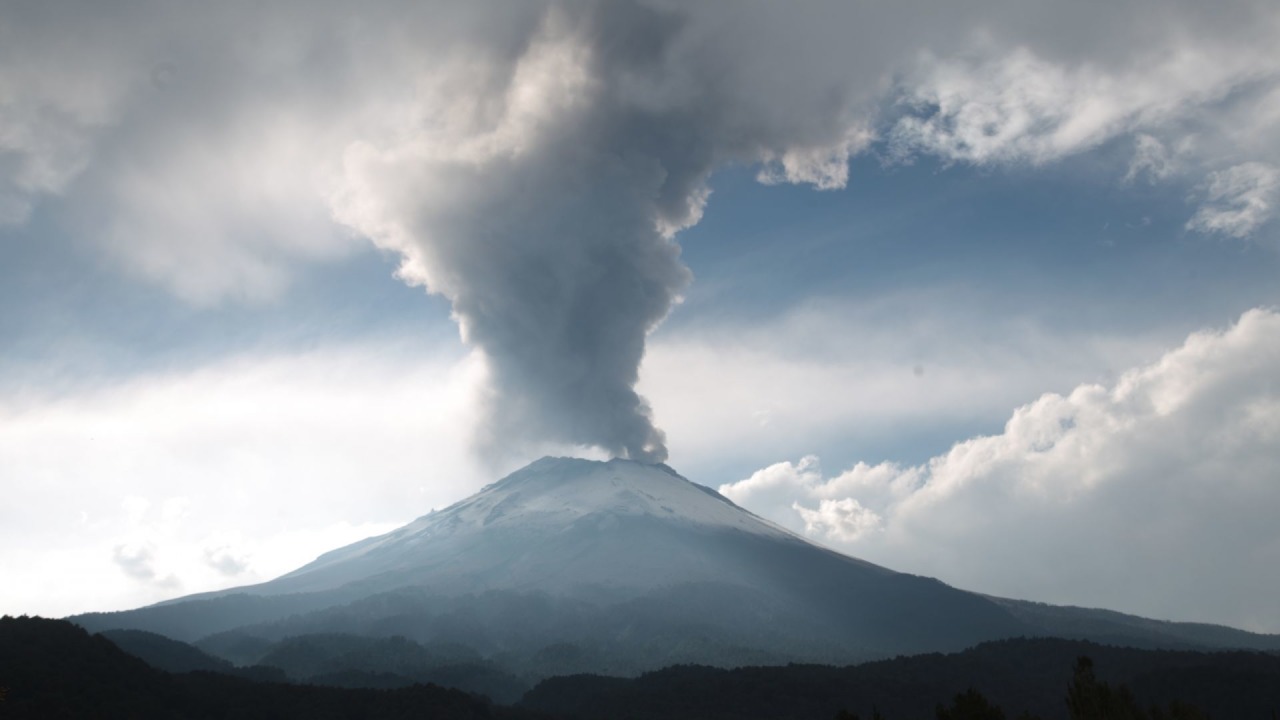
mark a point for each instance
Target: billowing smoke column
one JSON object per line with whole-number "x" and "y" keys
{"x": 542, "y": 205}
{"x": 552, "y": 163}
{"x": 532, "y": 160}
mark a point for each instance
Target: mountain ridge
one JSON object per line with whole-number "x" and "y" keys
{"x": 629, "y": 567}
{"x": 569, "y": 503}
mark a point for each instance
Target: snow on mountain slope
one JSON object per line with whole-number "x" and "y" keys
{"x": 556, "y": 524}
{"x": 636, "y": 568}
{"x": 553, "y": 493}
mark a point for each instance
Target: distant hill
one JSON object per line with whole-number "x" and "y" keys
{"x": 162, "y": 653}
{"x": 1116, "y": 628}
{"x": 172, "y": 656}
{"x": 1017, "y": 675}
{"x": 339, "y": 660}
{"x": 53, "y": 669}
{"x": 572, "y": 566}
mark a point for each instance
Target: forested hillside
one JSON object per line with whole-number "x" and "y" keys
{"x": 53, "y": 669}
{"x": 1018, "y": 676}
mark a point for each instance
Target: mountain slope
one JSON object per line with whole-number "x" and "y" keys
{"x": 558, "y": 525}
{"x": 572, "y": 565}
{"x": 626, "y": 544}
{"x": 165, "y": 654}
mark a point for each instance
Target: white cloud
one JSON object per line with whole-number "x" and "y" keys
{"x": 825, "y": 167}
{"x": 1151, "y": 159}
{"x": 1155, "y": 495}
{"x": 1238, "y": 200}
{"x": 834, "y": 369}
{"x": 1018, "y": 106}
{"x": 845, "y": 519}
{"x": 225, "y": 475}
{"x": 1188, "y": 106}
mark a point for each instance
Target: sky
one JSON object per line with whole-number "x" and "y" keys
{"x": 985, "y": 291}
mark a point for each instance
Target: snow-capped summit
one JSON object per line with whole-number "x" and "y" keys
{"x": 560, "y": 491}
{"x": 580, "y": 566}
{"x": 556, "y": 525}
{"x": 631, "y": 545}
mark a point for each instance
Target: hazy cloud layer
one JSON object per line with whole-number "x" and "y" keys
{"x": 532, "y": 161}
{"x": 1155, "y": 495}
{"x": 890, "y": 372}
{"x": 246, "y": 468}
{"x": 228, "y": 474}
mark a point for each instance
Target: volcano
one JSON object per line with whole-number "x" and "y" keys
{"x": 571, "y": 565}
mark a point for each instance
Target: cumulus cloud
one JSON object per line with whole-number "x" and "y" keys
{"x": 533, "y": 162}
{"x": 845, "y": 519}
{"x": 1154, "y": 495}
{"x": 906, "y": 369}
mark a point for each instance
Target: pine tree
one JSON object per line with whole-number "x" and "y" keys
{"x": 970, "y": 705}
{"x": 1088, "y": 699}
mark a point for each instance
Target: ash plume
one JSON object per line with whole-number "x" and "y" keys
{"x": 543, "y": 207}
{"x": 533, "y": 160}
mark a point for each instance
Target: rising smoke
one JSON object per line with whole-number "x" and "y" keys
{"x": 532, "y": 161}
{"x": 546, "y": 216}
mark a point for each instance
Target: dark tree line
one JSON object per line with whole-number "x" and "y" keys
{"x": 1010, "y": 680}
{"x": 1087, "y": 699}
{"x": 53, "y": 669}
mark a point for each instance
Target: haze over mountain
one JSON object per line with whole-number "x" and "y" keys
{"x": 571, "y": 565}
